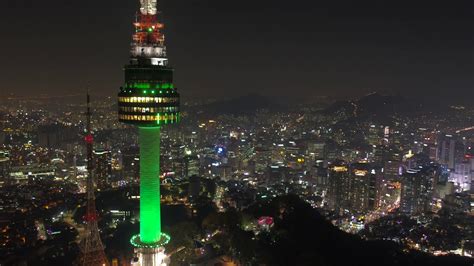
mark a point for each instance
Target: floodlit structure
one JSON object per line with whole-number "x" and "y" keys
{"x": 149, "y": 101}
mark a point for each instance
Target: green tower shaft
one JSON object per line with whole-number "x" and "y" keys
{"x": 150, "y": 211}
{"x": 149, "y": 100}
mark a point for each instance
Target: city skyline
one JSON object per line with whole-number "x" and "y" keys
{"x": 320, "y": 49}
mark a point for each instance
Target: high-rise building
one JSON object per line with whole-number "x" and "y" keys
{"x": 3, "y": 137}
{"x": 447, "y": 151}
{"x": 55, "y": 135}
{"x": 5, "y": 166}
{"x": 317, "y": 150}
{"x": 363, "y": 189}
{"x": 191, "y": 166}
{"x": 392, "y": 170}
{"x": 374, "y": 136}
{"x": 194, "y": 187}
{"x": 319, "y": 172}
{"x": 262, "y": 159}
{"x": 339, "y": 186}
{"x": 417, "y": 187}
{"x": 410, "y": 193}
{"x": 463, "y": 174}
{"x": 353, "y": 187}
{"x": 103, "y": 168}
{"x": 130, "y": 158}
{"x": 149, "y": 100}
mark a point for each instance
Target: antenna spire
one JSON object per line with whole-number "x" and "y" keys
{"x": 148, "y": 40}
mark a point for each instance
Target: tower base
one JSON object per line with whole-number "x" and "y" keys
{"x": 150, "y": 254}
{"x": 150, "y": 257}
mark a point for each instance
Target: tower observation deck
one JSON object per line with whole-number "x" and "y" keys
{"x": 148, "y": 97}
{"x": 149, "y": 100}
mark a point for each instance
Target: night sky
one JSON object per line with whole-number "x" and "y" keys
{"x": 302, "y": 48}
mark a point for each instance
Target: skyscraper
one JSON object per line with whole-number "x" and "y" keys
{"x": 447, "y": 152}
{"x": 417, "y": 189}
{"x": 149, "y": 100}
{"x": 339, "y": 186}
{"x": 4, "y": 168}
{"x": 103, "y": 167}
{"x": 363, "y": 187}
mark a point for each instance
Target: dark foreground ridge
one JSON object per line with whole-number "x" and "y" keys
{"x": 302, "y": 236}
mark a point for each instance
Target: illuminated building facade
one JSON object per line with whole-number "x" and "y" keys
{"x": 463, "y": 174}
{"x": 417, "y": 190}
{"x": 194, "y": 187}
{"x": 339, "y": 186}
{"x": 130, "y": 158}
{"x": 447, "y": 151}
{"x": 191, "y": 166}
{"x": 103, "y": 168}
{"x": 363, "y": 187}
{"x": 4, "y": 168}
{"x": 353, "y": 187}
{"x": 374, "y": 136}
{"x": 149, "y": 100}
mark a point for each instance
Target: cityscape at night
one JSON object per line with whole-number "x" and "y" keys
{"x": 256, "y": 133}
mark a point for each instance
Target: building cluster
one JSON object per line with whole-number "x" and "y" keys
{"x": 355, "y": 170}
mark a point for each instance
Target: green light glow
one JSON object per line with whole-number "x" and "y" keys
{"x": 142, "y": 85}
{"x": 150, "y": 213}
{"x": 164, "y": 86}
{"x": 149, "y": 86}
{"x": 136, "y": 241}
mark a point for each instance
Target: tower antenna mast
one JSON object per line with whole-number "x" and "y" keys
{"x": 91, "y": 245}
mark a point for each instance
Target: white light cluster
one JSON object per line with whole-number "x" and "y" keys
{"x": 148, "y": 7}
{"x": 148, "y": 51}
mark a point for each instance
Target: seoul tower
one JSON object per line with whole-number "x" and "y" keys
{"x": 149, "y": 101}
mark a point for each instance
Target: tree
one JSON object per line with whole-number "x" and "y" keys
{"x": 183, "y": 236}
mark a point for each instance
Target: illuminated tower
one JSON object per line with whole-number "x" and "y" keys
{"x": 149, "y": 100}
{"x": 91, "y": 245}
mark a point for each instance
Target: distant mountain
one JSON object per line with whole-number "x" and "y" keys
{"x": 375, "y": 106}
{"x": 247, "y": 104}
{"x": 376, "y": 103}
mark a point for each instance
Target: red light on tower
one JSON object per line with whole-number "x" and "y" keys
{"x": 265, "y": 221}
{"x": 89, "y": 217}
{"x": 89, "y": 138}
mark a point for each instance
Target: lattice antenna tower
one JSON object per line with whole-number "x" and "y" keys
{"x": 91, "y": 245}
